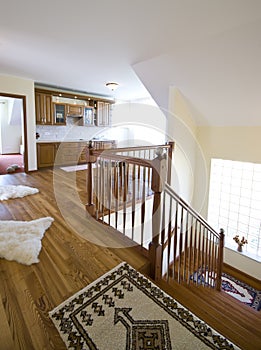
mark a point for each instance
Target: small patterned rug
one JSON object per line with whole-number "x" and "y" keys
{"x": 125, "y": 310}
{"x": 235, "y": 288}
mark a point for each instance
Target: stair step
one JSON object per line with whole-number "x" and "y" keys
{"x": 236, "y": 321}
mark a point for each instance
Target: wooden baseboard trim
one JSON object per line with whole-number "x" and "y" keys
{"x": 242, "y": 276}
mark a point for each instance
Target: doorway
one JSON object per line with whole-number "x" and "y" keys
{"x": 13, "y": 134}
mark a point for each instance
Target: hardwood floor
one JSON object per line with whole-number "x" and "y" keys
{"x": 76, "y": 250}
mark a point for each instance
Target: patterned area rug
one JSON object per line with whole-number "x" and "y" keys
{"x": 125, "y": 310}
{"x": 235, "y": 288}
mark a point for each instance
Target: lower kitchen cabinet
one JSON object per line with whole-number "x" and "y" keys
{"x": 64, "y": 153}
{"x": 68, "y": 153}
{"x": 46, "y": 153}
{"x": 82, "y": 158}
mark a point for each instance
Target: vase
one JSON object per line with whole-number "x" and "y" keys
{"x": 239, "y": 248}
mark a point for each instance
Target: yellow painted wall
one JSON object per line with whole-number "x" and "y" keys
{"x": 234, "y": 143}
{"x": 199, "y": 145}
{"x": 188, "y": 155}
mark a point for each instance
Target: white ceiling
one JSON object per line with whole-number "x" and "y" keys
{"x": 209, "y": 49}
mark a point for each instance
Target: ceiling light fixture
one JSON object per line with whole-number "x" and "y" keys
{"x": 112, "y": 86}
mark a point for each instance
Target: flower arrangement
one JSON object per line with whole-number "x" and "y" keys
{"x": 240, "y": 242}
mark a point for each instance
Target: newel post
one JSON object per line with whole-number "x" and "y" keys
{"x": 90, "y": 207}
{"x": 170, "y": 155}
{"x": 158, "y": 180}
{"x": 220, "y": 259}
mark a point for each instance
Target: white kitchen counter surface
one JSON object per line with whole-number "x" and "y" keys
{"x": 63, "y": 140}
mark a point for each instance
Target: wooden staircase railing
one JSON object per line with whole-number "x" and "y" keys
{"x": 129, "y": 189}
{"x": 192, "y": 251}
{"x": 119, "y": 187}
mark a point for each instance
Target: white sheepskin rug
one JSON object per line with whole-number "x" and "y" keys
{"x": 21, "y": 240}
{"x": 12, "y": 191}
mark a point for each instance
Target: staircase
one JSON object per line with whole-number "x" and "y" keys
{"x": 129, "y": 189}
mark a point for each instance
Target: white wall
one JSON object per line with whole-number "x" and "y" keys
{"x": 146, "y": 124}
{"x": 2, "y": 112}
{"x": 25, "y": 87}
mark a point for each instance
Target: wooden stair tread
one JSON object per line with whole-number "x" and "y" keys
{"x": 220, "y": 310}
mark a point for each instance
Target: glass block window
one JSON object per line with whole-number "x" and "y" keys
{"x": 235, "y": 201}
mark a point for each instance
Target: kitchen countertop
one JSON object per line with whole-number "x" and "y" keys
{"x": 63, "y": 140}
{"x": 71, "y": 140}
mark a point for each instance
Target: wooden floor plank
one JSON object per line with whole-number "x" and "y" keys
{"x": 6, "y": 336}
{"x": 75, "y": 252}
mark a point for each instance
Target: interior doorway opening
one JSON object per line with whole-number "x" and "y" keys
{"x": 13, "y": 140}
{"x": 11, "y": 163}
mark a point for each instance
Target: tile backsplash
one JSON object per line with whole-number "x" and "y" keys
{"x": 69, "y": 131}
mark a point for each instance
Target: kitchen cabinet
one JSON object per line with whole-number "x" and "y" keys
{"x": 59, "y": 113}
{"x": 82, "y": 158}
{"x": 103, "y": 113}
{"x": 88, "y": 116}
{"x": 43, "y": 108}
{"x": 74, "y": 109}
{"x": 60, "y": 153}
{"x": 52, "y": 107}
{"x": 68, "y": 153}
{"x": 46, "y": 153}
{"x": 51, "y": 154}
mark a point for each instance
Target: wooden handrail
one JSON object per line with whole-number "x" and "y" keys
{"x": 169, "y": 145}
{"x": 123, "y": 159}
{"x": 113, "y": 153}
{"x": 170, "y": 190}
{"x": 197, "y": 253}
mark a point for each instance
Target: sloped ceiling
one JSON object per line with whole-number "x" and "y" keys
{"x": 210, "y": 50}
{"x": 219, "y": 77}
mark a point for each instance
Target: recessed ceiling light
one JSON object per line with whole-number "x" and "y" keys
{"x": 112, "y": 86}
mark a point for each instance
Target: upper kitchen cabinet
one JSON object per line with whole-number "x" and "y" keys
{"x": 75, "y": 110}
{"x": 88, "y": 116}
{"x": 55, "y": 107}
{"x": 103, "y": 113}
{"x": 59, "y": 113}
{"x": 43, "y": 108}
